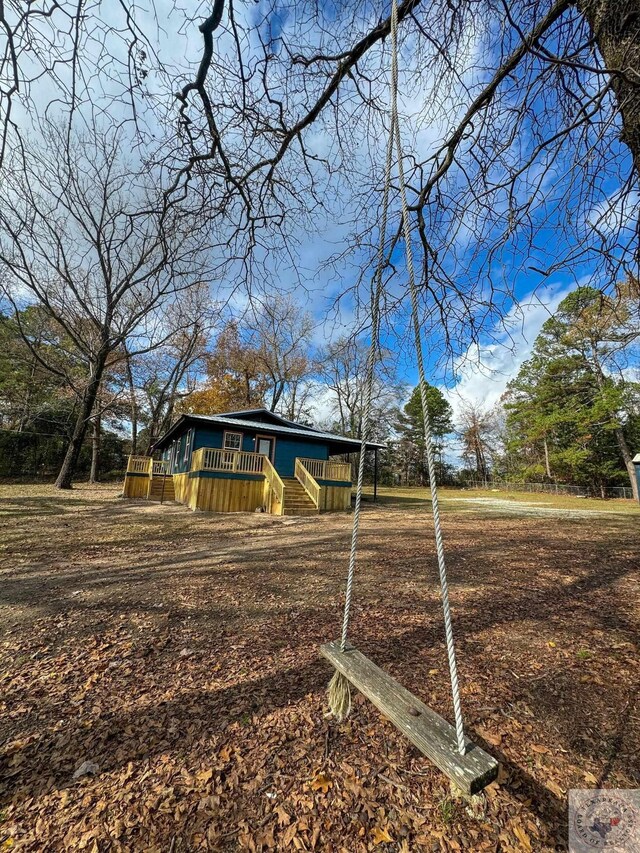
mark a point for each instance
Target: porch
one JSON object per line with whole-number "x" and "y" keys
{"x": 220, "y": 480}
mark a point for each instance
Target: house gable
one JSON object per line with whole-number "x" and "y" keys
{"x": 264, "y": 416}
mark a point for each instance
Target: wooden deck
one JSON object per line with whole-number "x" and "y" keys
{"x": 238, "y": 481}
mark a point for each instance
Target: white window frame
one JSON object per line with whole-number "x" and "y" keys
{"x": 187, "y": 446}
{"x": 224, "y": 440}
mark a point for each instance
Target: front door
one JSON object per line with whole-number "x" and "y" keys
{"x": 264, "y": 445}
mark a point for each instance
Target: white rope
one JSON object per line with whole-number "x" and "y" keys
{"x": 415, "y": 314}
{"x": 340, "y": 699}
{"x": 339, "y": 693}
{"x": 369, "y": 376}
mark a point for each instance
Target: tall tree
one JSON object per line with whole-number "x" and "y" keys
{"x": 572, "y": 403}
{"x": 280, "y": 333}
{"x": 551, "y": 91}
{"x": 478, "y": 430}
{"x": 159, "y": 380}
{"x": 410, "y": 427}
{"x": 235, "y": 375}
{"x": 342, "y": 371}
{"x": 28, "y": 390}
{"x": 86, "y": 236}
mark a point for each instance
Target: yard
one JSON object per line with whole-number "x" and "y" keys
{"x": 174, "y": 656}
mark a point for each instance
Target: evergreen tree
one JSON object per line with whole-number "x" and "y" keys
{"x": 411, "y": 446}
{"x": 571, "y": 411}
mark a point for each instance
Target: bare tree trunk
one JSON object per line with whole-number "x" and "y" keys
{"x": 615, "y": 25}
{"x": 95, "y": 450}
{"x": 546, "y": 459}
{"x": 627, "y": 458}
{"x": 133, "y": 404}
{"x": 621, "y": 440}
{"x": 70, "y": 462}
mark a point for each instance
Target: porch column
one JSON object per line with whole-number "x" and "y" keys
{"x": 375, "y": 474}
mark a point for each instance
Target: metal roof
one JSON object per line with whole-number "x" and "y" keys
{"x": 261, "y": 411}
{"x": 302, "y": 431}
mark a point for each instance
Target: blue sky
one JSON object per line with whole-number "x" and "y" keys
{"x": 326, "y": 267}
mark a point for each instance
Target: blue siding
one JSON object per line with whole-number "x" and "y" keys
{"x": 180, "y": 464}
{"x": 286, "y": 449}
{"x": 208, "y": 437}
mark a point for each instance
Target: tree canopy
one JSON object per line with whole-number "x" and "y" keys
{"x": 572, "y": 410}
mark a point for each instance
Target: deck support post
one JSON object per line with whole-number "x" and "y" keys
{"x": 375, "y": 474}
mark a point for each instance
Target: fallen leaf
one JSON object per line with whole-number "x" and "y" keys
{"x": 555, "y": 788}
{"x": 283, "y": 816}
{"x": 523, "y": 838}
{"x": 321, "y": 783}
{"x": 490, "y": 737}
{"x": 288, "y": 835}
{"x": 204, "y": 775}
{"x": 380, "y": 836}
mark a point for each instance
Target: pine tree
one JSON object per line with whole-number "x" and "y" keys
{"x": 571, "y": 411}
{"x": 410, "y": 426}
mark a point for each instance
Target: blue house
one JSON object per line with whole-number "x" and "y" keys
{"x": 247, "y": 461}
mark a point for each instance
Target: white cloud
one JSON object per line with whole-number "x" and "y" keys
{"x": 484, "y": 371}
{"x": 617, "y": 213}
{"x": 323, "y": 407}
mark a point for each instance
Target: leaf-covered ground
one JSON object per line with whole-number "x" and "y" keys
{"x": 169, "y": 660}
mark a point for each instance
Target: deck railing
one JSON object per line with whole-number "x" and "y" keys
{"x": 307, "y": 481}
{"x": 230, "y": 461}
{"x": 321, "y": 469}
{"x": 139, "y": 464}
{"x": 147, "y": 465}
{"x": 273, "y": 478}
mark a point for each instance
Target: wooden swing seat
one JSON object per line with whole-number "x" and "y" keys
{"x": 428, "y": 731}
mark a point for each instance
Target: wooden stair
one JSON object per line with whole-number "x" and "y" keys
{"x": 296, "y": 500}
{"x": 156, "y": 493}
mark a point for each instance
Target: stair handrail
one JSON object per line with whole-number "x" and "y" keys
{"x": 158, "y": 468}
{"x": 273, "y": 478}
{"x": 308, "y": 483}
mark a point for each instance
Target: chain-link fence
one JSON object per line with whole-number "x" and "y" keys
{"x": 552, "y": 489}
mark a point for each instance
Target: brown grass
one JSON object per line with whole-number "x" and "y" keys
{"x": 178, "y": 652}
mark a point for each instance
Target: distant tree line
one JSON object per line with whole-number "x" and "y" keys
{"x": 571, "y": 415}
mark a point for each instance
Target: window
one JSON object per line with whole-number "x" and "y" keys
{"x": 232, "y": 441}
{"x": 187, "y": 446}
{"x": 175, "y": 452}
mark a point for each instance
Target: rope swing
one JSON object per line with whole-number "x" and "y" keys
{"x": 467, "y": 765}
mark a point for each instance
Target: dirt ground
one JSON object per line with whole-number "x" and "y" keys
{"x": 177, "y": 654}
